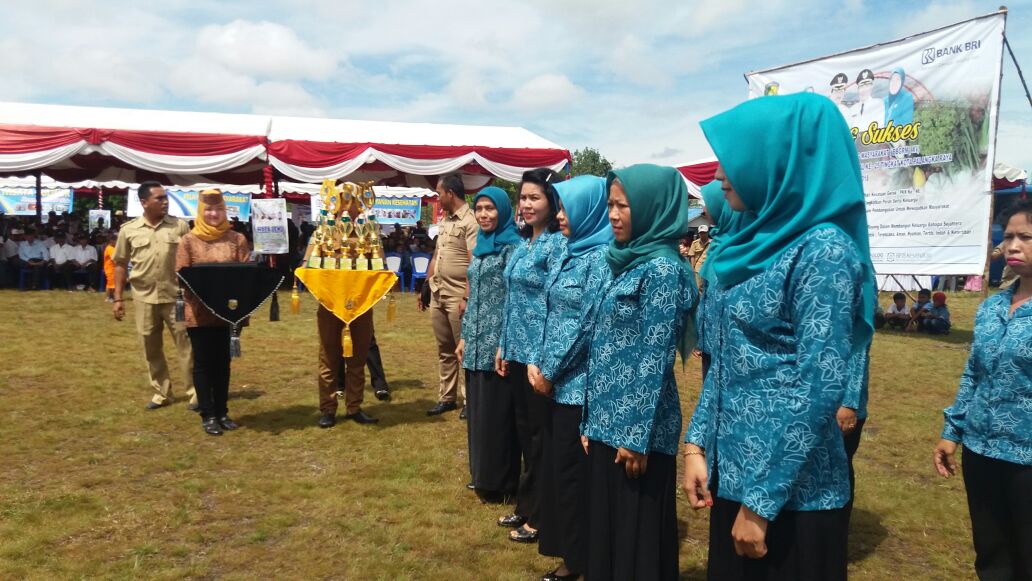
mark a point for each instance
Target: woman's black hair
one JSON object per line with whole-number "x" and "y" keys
{"x": 1023, "y": 206}
{"x": 545, "y": 178}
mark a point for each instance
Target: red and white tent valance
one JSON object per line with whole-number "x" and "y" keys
{"x": 311, "y": 150}
{"x": 697, "y": 174}
{"x": 67, "y": 142}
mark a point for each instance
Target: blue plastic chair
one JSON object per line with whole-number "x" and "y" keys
{"x": 28, "y": 271}
{"x": 420, "y": 265}
{"x": 393, "y": 261}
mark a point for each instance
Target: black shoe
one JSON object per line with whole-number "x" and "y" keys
{"x": 512, "y": 521}
{"x": 523, "y": 535}
{"x": 462, "y": 414}
{"x": 441, "y": 407}
{"x": 154, "y": 406}
{"x": 328, "y": 421}
{"x": 382, "y": 393}
{"x": 211, "y": 426}
{"x": 228, "y": 424}
{"x": 361, "y": 417}
{"x": 193, "y": 407}
{"x": 551, "y": 576}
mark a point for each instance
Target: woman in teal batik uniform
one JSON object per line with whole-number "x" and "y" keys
{"x": 992, "y": 417}
{"x": 797, "y": 307}
{"x": 494, "y": 449}
{"x": 584, "y": 220}
{"x": 633, "y": 416}
{"x": 533, "y": 265}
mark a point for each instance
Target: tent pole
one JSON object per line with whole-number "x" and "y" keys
{"x": 39, "y": 196}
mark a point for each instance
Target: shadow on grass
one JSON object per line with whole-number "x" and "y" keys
{"x": 866, "y": 532}
{"x": 277, "y": 421}
{"x": 246, "y": 394}
{"x": 395, "y": 414}
{"x": 693, "y": 573}
{"x": 403, "y": 384}
{"x": 955, "y": 337}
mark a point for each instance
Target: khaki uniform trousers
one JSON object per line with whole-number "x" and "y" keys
{"x": 330, "y": 348}
{"x": 150, "y": 322}
{"x": 447, "y": 324}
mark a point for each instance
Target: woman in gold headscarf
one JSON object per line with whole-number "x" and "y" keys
{"x": 211, "y": 240}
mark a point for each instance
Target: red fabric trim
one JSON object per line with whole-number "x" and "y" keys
{"x": 699, "y": 174}
{"x": 27, "y": 138}
{"x": 316, "y": 154}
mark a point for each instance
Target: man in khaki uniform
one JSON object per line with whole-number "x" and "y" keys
{"x": 697, "y": 252}
{"x": 148, "y": 244}
{"x": 449, "y": 288}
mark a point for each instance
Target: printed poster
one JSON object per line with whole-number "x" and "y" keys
{"x": 923, "y": 113}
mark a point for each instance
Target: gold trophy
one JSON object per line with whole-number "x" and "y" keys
{"x": 361, "y": 262}
{"x": 347, "y": 227}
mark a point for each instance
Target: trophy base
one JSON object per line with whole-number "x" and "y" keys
{"x": 331, "y": 263}
{"x": 376, "y": 264}
{"x": 315, "y": 262}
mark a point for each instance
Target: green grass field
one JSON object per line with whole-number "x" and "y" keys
{"x": 93, "y": 486}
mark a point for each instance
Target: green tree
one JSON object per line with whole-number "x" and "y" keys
{"x": 588, "y": 161}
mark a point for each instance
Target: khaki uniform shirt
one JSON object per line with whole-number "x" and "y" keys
{"x": 456, "y": 238}
{"x": 697, "y": 254}
{"x": 150, "y": 252}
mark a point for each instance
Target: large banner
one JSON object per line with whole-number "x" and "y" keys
{"x": 22, "y": 201}
{"x": 269, "y": 226}
{"x": 923, "y": 112}
{"x": 183, "y": 204}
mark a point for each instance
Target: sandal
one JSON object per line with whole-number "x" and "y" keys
{"x": 523, "y": 535}
{"x": 512, "y": 521}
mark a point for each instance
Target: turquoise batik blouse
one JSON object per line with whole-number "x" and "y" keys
{"x": 482, "y": 321}
{"x": 782, "y": 360}
{"x": 532, "y": 266}
{"x": 992, "y": 414}
{"x": 573, "y": 294}
{"x": 632, "y": 399}
{"x": 707, "y": 317}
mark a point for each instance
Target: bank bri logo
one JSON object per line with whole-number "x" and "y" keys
{"x": 930, "y": 54}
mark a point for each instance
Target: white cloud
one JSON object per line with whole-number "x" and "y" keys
{"x": 550, "y": 91}
{"x": 263, "y": 49}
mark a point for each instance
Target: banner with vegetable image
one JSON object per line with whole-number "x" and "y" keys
{"x": 923, "y": 112}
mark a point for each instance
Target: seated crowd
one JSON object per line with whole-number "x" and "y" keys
{"x": 929, "y": 314}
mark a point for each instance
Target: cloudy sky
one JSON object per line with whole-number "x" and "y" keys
{"x": 631, "y": 79}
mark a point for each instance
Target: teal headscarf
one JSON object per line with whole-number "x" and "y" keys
{"x": 505, "y": 232}
{"x": 793, "y": 162}
{"x": 584, "y": 200}
{"x": 899, "y": 107}
{"x": 726, "y": 222}
{"x": 659, "y": 215}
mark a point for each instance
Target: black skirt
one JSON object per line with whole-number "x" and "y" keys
{"x": 494, "y": 449}
{"x": 631, "y": 525}
{"x": 533, "y": 413}
{"x": 563, "y": 489}
{"x": 801, "y": 545}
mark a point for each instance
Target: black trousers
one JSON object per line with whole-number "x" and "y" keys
{"x": 210, "y": 369}
{"x": 494, "y": 448}
{"x": 631, "y": 524}
{"x": 852, "y": 443}
{"x": 801, "y": 545}
{"x": 533, "y": 412}
{"x": 37, "y": 272}
{"x": 999, "y": 497}
{"x": 564, "y": 482}
{"x": 377, "y": 377}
